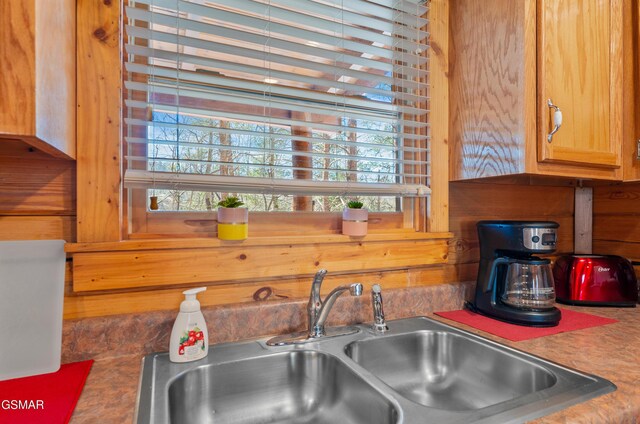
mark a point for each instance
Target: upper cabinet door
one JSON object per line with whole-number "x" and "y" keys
{"x": 580, "y": 71}
{"x": 38, "y": 74}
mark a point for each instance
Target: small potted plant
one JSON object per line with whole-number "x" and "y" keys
{"x": 233, "y": 220}
{"x": 354, "y": 219}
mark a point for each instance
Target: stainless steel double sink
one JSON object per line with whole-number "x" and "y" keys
{"x": 420, "y": 371}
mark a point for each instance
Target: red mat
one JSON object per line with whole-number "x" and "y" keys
{"x": 46, "y": 398}
{"x": 570, "y": 321}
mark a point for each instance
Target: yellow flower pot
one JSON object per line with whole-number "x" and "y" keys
{"x": 233, "y": 231}
{"x": 233, "y": 223}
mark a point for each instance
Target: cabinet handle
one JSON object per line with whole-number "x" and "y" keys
{"x": 557, "y": 120}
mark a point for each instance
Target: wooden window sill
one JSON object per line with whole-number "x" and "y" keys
{"x": 200, "y": 243}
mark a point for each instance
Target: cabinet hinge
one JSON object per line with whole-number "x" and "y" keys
{"x": 638, "y": 149}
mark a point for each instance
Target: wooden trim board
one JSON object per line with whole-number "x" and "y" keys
{"x": 94, "y": 305}
{"x": 102, "y": 271}
{"x": 99, "y": 97}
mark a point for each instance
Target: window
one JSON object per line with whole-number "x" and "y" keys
{"x": 295, "y": 105}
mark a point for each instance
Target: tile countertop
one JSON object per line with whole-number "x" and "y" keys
{"x": 610, "y": 351}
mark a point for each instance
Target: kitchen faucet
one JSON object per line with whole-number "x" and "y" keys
{"x": 317, "y": 310}
{"x": 317, "y": 313}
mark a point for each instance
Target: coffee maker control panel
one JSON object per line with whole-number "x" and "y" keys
{"x": 539, "y": 238}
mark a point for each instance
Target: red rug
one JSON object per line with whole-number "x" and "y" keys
{"x": 570, "y": 321}
{"x": 46, "y": 398}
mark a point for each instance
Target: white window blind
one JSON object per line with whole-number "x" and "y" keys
{"x": 301, "y": 97}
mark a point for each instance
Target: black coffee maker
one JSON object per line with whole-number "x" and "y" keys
{"x": 514, "y": 285}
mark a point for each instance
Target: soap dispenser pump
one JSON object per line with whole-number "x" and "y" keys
{"x": 189, "y": 338}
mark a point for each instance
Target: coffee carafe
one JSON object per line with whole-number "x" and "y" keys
{"x": 514, "y": 285}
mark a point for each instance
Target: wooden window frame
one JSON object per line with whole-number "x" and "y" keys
{"x": 144, "y": 223}
{"x": 103, "y": 228}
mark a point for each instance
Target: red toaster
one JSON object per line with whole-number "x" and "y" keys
{"x": 595, "y": 280}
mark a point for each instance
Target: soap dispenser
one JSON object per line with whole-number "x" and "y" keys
{"x": 189, "y": 338}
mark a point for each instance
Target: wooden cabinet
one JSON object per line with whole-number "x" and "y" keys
{"x": 631, "y": 94}
{"x": 580, "y": 69}
{"x": 508, "y": 58}
{"x": 37, "y": 74}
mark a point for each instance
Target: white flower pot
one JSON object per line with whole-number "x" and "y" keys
{"x": 355, "y": 222}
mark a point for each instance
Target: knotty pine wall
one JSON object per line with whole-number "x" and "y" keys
{"x": 37, "y": 194}
{"x": 37, "y": 201}
{"x": 616, "y": 220}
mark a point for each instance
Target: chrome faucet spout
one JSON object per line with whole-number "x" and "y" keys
{"x": 317, "y": 283}
{"x": 316, "y": 327}
{"x": 314, "y": 305}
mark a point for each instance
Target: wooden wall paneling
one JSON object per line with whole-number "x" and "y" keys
{"x": 616, "y": 228}
{"x": 126, "y": 270}
{"x": 618, "y": 199}
{"x": 33, "y": 183}
{"x": 479, "y": 199}
{"x": 615, "y": 247}
{"x": 438, "y": 217}
{"x": 37, "y": 194}
{"x": 616, "y": 220}
{"x": 37, "y": 228}
{"x": 442, "y": 274}
{"x": 37, "y": 187}
{"x": 99, "y": 69}
{"x": 488, "y": 77}
{"x": 90, "y": 305}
